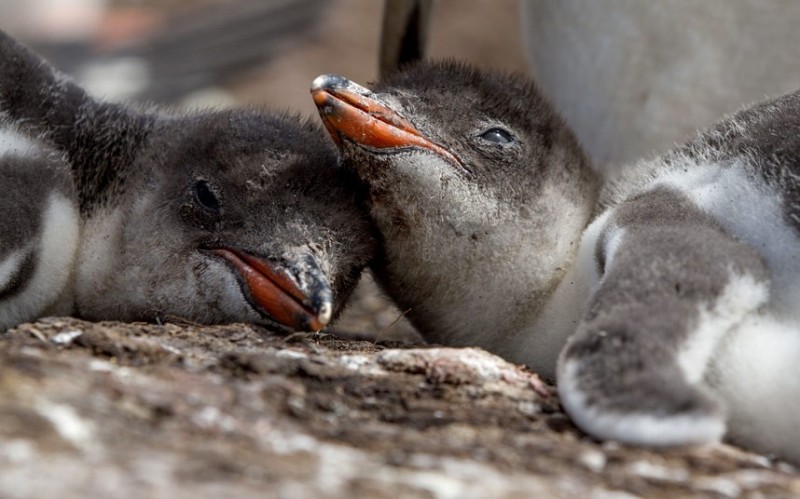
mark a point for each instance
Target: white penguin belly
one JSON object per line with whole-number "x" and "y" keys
{"x": 47, "y": 290}
{"x": 756, "y": 373}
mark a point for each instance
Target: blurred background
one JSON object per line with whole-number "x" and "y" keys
{"x": 233, "y": 52}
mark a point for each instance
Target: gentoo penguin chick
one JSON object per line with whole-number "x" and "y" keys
{"x": 113, "y": 213}
{"x": 670, "y": 319}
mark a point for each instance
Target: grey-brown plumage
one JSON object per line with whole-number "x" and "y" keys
{"x": 670, "y": 319}
{"x": 213, "y": 216}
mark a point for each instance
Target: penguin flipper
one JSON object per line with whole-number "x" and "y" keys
{"x": 39, "y": 227}
{"x": 99, "y": 139}
{"x": 673, "y": 285}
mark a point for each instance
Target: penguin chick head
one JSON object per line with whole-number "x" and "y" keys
{"x": 475, "y": 183}
{"x": 240, "y": 216}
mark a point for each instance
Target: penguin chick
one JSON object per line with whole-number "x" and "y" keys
{"x": 664, "y": 302}
{"x": 114, "y": 213}
{"x": 479, "y": 191}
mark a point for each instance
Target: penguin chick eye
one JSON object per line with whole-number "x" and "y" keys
{"x": 205, "y": 197}
{"x": 497, "y": 135}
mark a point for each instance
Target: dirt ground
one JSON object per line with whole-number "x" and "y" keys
{"x": 139, "y": 410}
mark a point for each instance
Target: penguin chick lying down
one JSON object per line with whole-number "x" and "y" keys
{"x": 664, "y": 302}
{"x": 112, "y": 213}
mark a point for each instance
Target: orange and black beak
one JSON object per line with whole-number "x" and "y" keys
{"x": 294, "y": 294}
{"x": 353, "y": 112}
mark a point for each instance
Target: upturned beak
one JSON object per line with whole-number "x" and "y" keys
{"x": 295, "y": 293}
{"x": 350, "y": 111}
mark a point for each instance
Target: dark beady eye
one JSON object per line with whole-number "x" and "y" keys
{"x": 205, "y": 197}
{"x": 497, "y": 135}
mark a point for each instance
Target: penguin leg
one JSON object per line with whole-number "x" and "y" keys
{"x": 672, "y": 285}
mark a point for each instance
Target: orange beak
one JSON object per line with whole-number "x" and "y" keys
{"x": 273, "y": 290}
{"x": 353, "y": 112}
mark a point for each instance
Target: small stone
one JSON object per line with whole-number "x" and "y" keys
{"x": 65, "y": 338}
{"x": 646, "y": 469}
{"x": 593, "y": 460}
{"x": 718, "y": 485}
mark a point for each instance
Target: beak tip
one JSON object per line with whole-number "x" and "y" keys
{"x": 326, "y": 82}
{"x": 319, "y": 300}
{"x": 317, "y": 323}
{"x": 325, "y": 313}
{"x": 299, "y": 298}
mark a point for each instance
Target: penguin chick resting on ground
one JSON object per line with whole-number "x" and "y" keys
{"x": 220, "y": 216}
{"x": 665, "y": 302}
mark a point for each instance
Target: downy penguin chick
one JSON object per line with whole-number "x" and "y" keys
{"x": 670, "y": 319}
{"x": 115, "y": 213}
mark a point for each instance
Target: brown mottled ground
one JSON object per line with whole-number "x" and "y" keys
{"x": 137, "y": 410}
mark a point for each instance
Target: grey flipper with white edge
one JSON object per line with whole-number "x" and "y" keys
{"x": 39, "y": 229}
{"x": 672, "y": 283}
